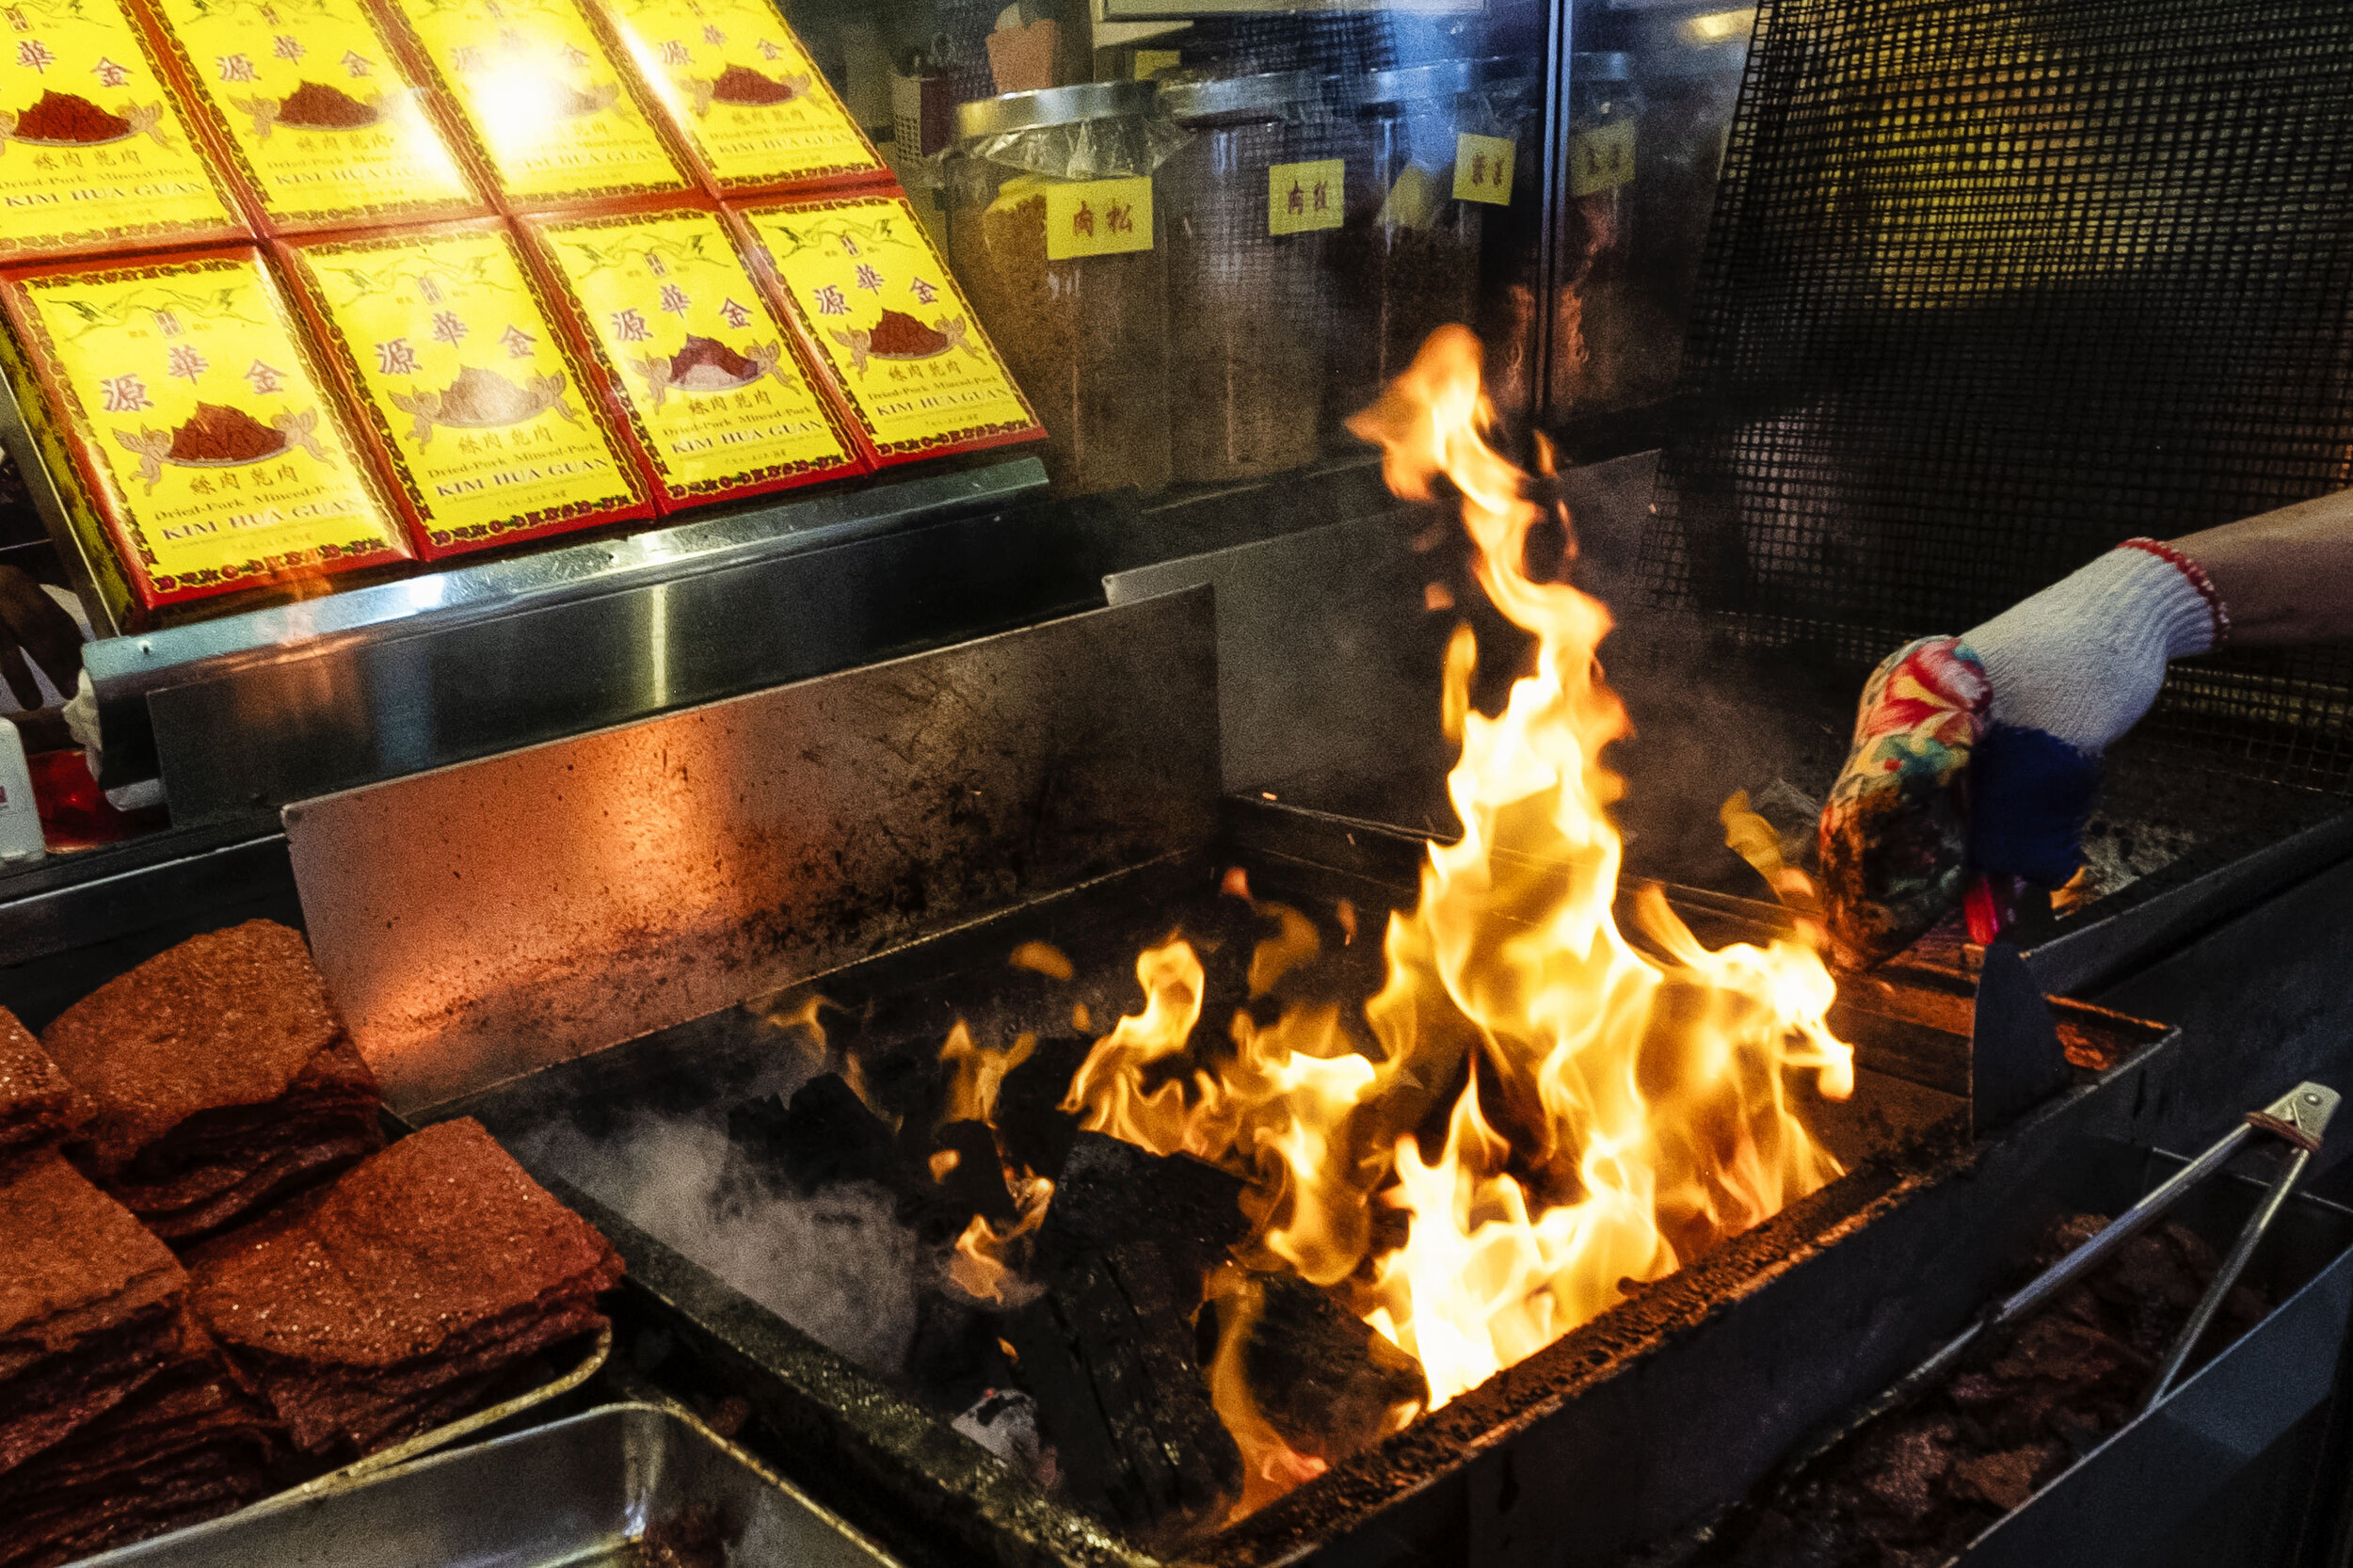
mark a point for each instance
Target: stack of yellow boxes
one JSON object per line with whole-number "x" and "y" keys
{"x": 302, "y": 286}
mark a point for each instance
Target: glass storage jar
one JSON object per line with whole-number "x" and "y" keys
{"x": 1596, "y": 333}
{"x": 1056, "y": 233}
{"x": 1248, "y": 210}
{"x": 1405, "y": 259}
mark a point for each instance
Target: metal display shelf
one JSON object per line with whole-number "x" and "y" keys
{"x": 250, "y": 711}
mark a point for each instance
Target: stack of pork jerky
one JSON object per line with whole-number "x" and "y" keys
{"x": 117, "y": 1417}
{"x": 328, "y": 1299}
{"x": 401, "y": 1295}
{"x": 220, "y": 1080}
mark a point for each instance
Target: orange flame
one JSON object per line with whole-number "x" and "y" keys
{"x": 1611, "y": 1110}
{"x": 978, "y": 1073}
{"x": 979, "y": 1267}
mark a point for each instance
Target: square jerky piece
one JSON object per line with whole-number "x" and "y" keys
{"x": 392, "y": 1300}
{"x": 220, "y": 1080}
{"x": 188, "y": 1445}
{"x": 37, "y": 1103}
{"x": 88, "y": 1304}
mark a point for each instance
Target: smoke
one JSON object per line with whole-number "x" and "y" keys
{"x": 837, "y": 1264}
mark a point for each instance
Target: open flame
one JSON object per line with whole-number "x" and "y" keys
{"x": 1551, "y": 1113}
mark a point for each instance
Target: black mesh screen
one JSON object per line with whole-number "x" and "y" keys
{"x": 1993, "y": 284}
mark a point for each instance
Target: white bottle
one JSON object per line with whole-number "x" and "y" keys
{"x": 20, "y": 817}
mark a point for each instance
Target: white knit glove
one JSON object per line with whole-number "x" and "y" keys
{"x": 2082, "y": 661}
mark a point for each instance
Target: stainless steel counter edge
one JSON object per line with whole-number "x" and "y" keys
{"x": 126, "y": 667}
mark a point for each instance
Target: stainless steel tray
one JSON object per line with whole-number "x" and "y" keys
{"x": 580, "y": 1492}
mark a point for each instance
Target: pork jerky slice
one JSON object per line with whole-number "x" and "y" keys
{"x": 436, "y": 1260}
{"x": 88, "y": 1303}
{"x": 222, "y": 1081}
{"x": 36, "y": 1102}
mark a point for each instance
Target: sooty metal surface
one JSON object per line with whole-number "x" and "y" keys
{"x": 1666, "y": 1406}
{"x": 491, "y": 918}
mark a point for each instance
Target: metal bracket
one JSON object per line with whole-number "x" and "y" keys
{"x": 2015, "y": 1061}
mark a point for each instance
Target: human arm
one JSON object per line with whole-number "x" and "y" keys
{"x": 2285, "y": 576}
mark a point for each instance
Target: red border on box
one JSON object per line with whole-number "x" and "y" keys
{"x": 240, "y": 231}
{"x": 609, "y": 376}
{"x": 377, "y": 432}
{"x": 39, "y": 354}
{"x": 229, "y": 160}
{"x": 841, "y": 178}
{"x": 779, "y": 298}
{"x": 418, "y": 60}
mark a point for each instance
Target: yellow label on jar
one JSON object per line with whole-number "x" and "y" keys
{"x": 1482, "y": 168}
{"x": 490, "y": 429}
{"x": 316, "y": 108}
{"x": 555, "y": 114}
{"x": 1303, "y": 196}
{"x": 742, "y": 90}
{"x": 1601, "y": 159}
{"x": 895, "y": 330}
{"x": 702, "y": 362}
{"x": 220, "y": 448}
{"x": 1097, "y": 217}
{"x": 93, "y": 147}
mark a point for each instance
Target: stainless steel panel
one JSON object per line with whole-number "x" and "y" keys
{"x": 1308, "y": 635}
{"x": 1329, "y": 655}
{"x": 479, "y": 921}
{"x": 578, "y": 1492}
{"x": 299, "y": 698}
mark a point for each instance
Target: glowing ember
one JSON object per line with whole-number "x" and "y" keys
{"x": 1610, "y": 1111}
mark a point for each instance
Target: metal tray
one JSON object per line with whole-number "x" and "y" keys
{"x": 2149, "y": 1481}
{"x": 581, "y": 1492}
{"x": 449, "y": 1432}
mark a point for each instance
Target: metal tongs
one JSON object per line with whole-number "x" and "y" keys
{"x": 2296, "y": 1118}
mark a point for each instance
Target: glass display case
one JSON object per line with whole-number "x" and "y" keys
{"x": 1083, "y": 283}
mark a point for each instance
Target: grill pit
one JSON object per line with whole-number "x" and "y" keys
{"x": 1624, "y": 1428}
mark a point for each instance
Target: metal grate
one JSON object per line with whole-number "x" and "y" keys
{"x": 1993, "y": 284}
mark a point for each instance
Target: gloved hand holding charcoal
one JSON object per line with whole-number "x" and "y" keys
{"x": 1976, "y": 758}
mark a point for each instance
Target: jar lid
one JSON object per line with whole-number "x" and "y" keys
{"x": 1503, "y": 74}
{"x": 1409, "y": 83}
{"x": 1272, "y": 92}
{"x": 1022, "y": 111}
{"x": 1613, "y": 66}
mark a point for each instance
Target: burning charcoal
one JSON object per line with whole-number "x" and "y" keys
{"x": 975, "y": 1182}
{"x": 1108, "y": 1354}
{"x": 1035, "y": 1133}
{"x": 827, "y": 1137}
{"x": 1111, "y": 1191}
{"x": 955, "y": 1344}
{"x": 1324, "y": 1379}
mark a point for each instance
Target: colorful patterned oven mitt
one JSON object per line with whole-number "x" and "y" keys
{"x": 1976, "y": 758}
